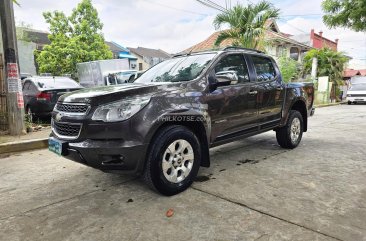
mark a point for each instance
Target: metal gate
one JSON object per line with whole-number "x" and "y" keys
{"x": 3, "y": 113}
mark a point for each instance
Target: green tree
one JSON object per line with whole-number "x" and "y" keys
{"x": 345, "y": 13}
{"x": 247, "y": 24}
{"x": 290, "y": 69}
{"x": 330, "y": 63}
{"x": 74, "y": 39}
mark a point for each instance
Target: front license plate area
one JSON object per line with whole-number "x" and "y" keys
{"x": 57, "y": 146}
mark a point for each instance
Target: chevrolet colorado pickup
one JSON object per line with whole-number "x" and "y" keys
{"x": 162, "y": 125}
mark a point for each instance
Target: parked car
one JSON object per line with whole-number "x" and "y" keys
{"x": 41, "y": 93}
{"x": 357, "y": 93}
{"x": 162, "y": 125}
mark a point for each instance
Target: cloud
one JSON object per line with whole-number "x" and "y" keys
{"x": 176, "y": 25}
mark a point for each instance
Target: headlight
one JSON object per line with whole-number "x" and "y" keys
{"x": 120, "y": 110}
{"x": 349, "y": 95}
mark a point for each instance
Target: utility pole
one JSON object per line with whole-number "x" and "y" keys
{"x": 314, "y": 67}
{"x": 14, "y": 98}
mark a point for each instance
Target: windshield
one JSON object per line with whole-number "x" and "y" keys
{"x": 56, "y": 83}
{"x": 177, "y": 69}
{"x": 358, "y": 87}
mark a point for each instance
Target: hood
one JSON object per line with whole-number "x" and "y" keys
{"x": 106, "y": 94}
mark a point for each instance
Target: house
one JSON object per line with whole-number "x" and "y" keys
{"x": 28, "y": 41}
{"x": 39, "y": 37}
{"x": 280, "y": 43}
{"x": 316, "y": 40}
{"x": 147, "y": 58}
{"x": 349, "y": 73}
{"x": 120, "y": 52}
{"x": 31, "y": 39}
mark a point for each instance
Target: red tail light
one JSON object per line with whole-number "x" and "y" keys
{"x": 44, "y": 96}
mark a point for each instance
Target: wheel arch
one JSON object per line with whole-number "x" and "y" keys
{"x": 197, "y": 127}
{"x": 300, "y": 106}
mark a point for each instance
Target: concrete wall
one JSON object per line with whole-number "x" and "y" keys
{"x": 26, "y": 57}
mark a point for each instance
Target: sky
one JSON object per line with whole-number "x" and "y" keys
{"x": 177, "y": 25}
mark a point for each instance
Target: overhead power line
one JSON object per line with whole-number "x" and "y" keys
{"x": 302, "y": 15}
{"x": 212, "y": 5}
{"x": 177, "y": 9}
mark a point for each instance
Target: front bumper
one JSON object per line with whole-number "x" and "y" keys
{"x": 107, "y": 155}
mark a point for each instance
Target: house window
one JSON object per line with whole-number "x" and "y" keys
{"x": 294, "y": 53}
{"x": 140, "y": 66}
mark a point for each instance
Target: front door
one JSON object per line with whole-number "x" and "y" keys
{"x": 232, "y": 108}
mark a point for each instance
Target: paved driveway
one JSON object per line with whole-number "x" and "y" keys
{"x": 254, "y": 190}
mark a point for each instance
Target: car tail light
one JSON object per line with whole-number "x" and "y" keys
{"x": 44, "y": 96}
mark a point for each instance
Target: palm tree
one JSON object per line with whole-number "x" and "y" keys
{"x": 247, "y": 24}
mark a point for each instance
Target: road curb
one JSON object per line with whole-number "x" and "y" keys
{"x": 23, "y": 145}
{"x": 327, "y": 105}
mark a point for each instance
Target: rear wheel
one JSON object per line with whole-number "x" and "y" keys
{"x": 173, "y": 160}
{"x": 290, "y": 135}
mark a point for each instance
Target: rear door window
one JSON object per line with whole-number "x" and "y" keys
{"x": 264, "y": 68}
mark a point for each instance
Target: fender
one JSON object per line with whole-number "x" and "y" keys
{"x": 196, "y": 119}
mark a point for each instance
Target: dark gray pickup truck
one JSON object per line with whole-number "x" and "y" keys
{"x": 162, "y": 125}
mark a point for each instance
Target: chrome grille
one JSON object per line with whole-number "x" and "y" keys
{"x": 72, "y": 108}
{"x": 66, "y": 130}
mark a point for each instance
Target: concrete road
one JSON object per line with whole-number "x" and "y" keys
{"x": 254, "y": 190}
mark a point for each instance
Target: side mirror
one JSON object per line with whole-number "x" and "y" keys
{"x": 226, "y": 78}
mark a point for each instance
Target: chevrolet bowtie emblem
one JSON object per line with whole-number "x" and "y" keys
{"x": 58, "y": 117}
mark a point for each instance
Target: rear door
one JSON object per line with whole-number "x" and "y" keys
{"x": 233, "y": 107}
{"x": 270, "y": 88}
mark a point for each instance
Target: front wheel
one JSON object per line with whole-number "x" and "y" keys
{"x": 290, "y": 135}
{"x": 173, "y": 160}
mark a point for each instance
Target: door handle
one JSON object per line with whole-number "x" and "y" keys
{"x": 254, "y": 92}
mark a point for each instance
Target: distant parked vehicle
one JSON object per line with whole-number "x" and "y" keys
{"x": 105, "y": 72}
{"x": 121, "y": 77}
{"x": 357, "y": 93}
{"x": 42, "y": 92}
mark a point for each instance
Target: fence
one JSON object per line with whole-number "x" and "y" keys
{"x": 3, "y": 111}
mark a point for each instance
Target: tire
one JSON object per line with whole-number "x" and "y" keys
{"x": 166, "y": 164}
{"x": 290, "y": 135}
{"x": 349, "y": 102}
